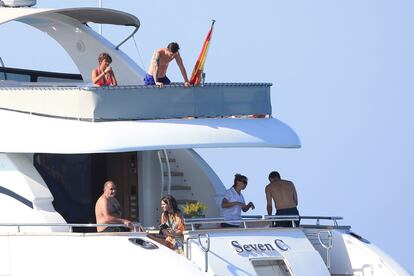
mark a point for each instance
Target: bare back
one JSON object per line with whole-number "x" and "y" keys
{"x": 283, "y": 194}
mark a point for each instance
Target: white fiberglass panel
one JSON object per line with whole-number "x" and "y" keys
{"x": 29, "y": 133}
{"x": 82, "y": 43}
{"x": 68, "y": 255}
{"x": 235, "y": 251}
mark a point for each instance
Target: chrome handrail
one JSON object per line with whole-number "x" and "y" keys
{"x": 137, "y": 227}
{"x": 187, "y": 246}
{"x": 258, "y": 218}
{"x": 328, "y": 247}
{"x": 243, "y": 221}
{"x": 205, "y": 249}
{"x": 318, "y": 218}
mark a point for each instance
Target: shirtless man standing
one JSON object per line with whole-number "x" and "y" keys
{"x": 283, "y": 193}
{"x": 157, "y": 71}
{"x": 108, "y": 210}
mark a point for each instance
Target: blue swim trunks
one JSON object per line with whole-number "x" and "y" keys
{"x": 149, "y": 80}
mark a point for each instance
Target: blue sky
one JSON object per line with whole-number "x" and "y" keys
{"x": 342, "y": 76}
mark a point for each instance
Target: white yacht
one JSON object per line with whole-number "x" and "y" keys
{"x": 62, "y": 138}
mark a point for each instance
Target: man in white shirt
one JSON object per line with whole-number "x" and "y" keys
{"x": 233, "y": 202}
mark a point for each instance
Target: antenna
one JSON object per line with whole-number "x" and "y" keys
{"x": 100, "y": 25}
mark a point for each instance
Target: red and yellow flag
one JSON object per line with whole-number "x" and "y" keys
{"x": 199, "y": 66}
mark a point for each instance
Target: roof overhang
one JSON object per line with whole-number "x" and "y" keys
{"x": 30, "y": 133}
{"x": 83, "y": 15}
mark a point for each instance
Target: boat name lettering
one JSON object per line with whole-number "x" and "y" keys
{"x": 252, "y": 247}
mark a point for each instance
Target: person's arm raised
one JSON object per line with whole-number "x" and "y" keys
{"x": 114, "y": 80}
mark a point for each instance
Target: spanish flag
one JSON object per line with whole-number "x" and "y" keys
{"x": 199, "y": 66}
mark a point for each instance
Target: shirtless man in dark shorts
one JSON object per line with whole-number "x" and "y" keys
{"x": 157, "y": 71}
{"x": 283, "y": 194}
{"x": 108, "y": 210}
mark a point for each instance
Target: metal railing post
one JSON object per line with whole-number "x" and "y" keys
{"x": 327, "y": 247}
{"x": 205, "y": 249}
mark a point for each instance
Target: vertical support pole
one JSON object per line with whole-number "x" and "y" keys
{"x": 100, "y": 25}
{"x": 167, "y": 162}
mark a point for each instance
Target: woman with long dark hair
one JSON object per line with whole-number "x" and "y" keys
{"x": 172, "y": 223}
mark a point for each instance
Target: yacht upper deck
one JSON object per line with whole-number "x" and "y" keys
{"x": 82, "y": 101}
{"x": 72, "y": 96}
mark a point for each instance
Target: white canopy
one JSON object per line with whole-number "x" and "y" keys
{"x": 30, "y": 133}
{"x": 83, "y": 15}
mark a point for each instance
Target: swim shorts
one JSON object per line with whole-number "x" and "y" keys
{"x": 149, "y": 80}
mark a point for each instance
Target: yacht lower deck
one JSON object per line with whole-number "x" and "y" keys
{"x": 253, "y": 249}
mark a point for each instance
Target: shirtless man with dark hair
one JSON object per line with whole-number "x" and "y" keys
{"x": 283, "y": 194}
{"x": 108, "y": 210}
{"x": 157, "y": 71}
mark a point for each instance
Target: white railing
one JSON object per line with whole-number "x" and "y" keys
{"x": 196, "y": 222}
{"x": 89, "y": 103}
{"x": 193, "y": 222}
{"x": 137, "y": 227}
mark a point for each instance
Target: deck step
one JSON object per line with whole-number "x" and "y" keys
{"x": 174, "y": 173}
{"x": 184, "y": 201}
{"x": 171, "y": 160}
{"x": 178, "y": 188}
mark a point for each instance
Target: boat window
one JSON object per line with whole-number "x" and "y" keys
{"x": 51, "y": 79}
{"x": 24, "y": 75}
{"x": 70, "y": 181}
{"x": 14, "y": 77}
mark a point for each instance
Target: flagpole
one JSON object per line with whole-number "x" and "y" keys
{"x": 198, "y": 75}
{"x": 203, "y": 74}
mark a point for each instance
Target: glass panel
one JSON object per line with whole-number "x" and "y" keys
{"x": 51, "y": 79}
{"x": 14, "y": 77}
{"x": 70, "y": 181}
